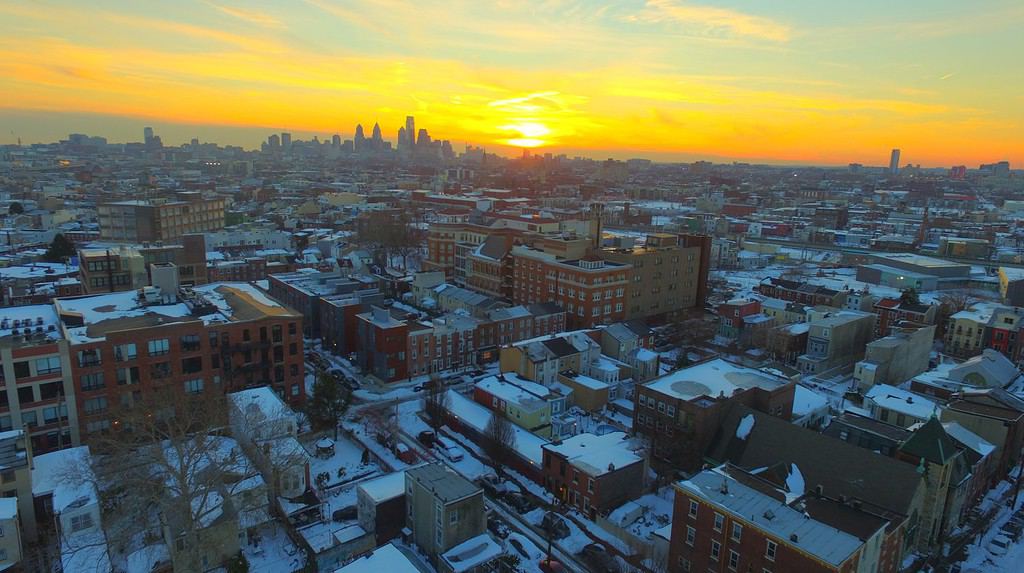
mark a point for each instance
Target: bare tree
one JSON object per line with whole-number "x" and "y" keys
{"x": 329, "y": 402}
{"x": 499, "y": 440}
{"x": 163, "y": 474}
{"x": 436, "y": 403}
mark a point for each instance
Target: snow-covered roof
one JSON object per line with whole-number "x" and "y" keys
{"x": 515, "y": 389}
{"x": 35, "y": 318}
{"x": 234, "y": 301}
{"x": 384, "y": 487}
{"x": 968, "y": 438}
{"x": 8, "y": 507}
{"x": 807, "y": 401}
{"x": 528, "y": 445}
{"x": 66, "y": 474}
{"x": 713, "y": 378}
{"x": 386, "y": 559}
{"x": 770, "y": 514}
{"x": 902, "y": 401}
{"x": 471, "y": 553}
{"x": 597, "y": 455}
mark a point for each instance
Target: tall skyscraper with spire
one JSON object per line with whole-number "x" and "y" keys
{"x": 402, "y": 143}
{"x": 410, "y": 130}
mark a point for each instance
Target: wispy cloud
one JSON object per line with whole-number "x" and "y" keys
{"x": 713, "y": 21}
{"x": 251, "y": 16}
{"x": 947, "y": 76}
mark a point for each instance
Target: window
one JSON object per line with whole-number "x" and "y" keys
{"x": 30, "y": 419}
{"x": 127, "y": 376}
{"x": 92, "y": 381}
{"x": 89, "y": 357}
{"x": 684, "y": 564}
{"x": 21, "y": 370}
{"x": 737, "y": 531}
{"x": 691, "y": 535}
{"x": 125, "y": 352}
{"x": 769, "y": 552}
{"x": 50, "y": 365}
{"x": 50, "y": 390}
{"x": 693, "y": 508}
{"x": 719, "y": 521}
{"x": 190, "y": 343}
{"x": 26, "y": 395}
{"x": 590, "y": 485}
{"x": 716, "y": 550}
{"x": 194, "y": 386}
{"x": 291, "y": 328}
{"x": 246, "y": 337}
{"x": 160, "y": 370}
{"x": 293, "y": 349}
{"x": 97, "y": 426}
{"x": 159, "y": 347}
{"x": 7, "y": 476}
{"x": 192, "y": 365}
{"x": 453, "y": 517}
{"x": 275, "y": 333}
{"x": 734, "y": 560}
{"x": 295, "y": 389}
{"x": 95, "y": 405}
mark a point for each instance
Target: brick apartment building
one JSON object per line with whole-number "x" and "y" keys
{"x": 164, "y": 219}
{"x": 726, "y": 519}
{"x": 680, "y": 412}
{"x": 891, "y": 312}
{"x": 591, "y": 290}
{"x": 593, "y": 473}
{"x": 381, "y": 350}
{"x": 216, "y": 338}
{"x": 38, "y": 392}
{"x": 127, "y": 267}
{"x": 803, "y": 293}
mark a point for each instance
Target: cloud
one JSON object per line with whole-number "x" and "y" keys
{"x": 947, "y": 76}
{"x": 251, "y": 16}
{"x": 713, "y": 21}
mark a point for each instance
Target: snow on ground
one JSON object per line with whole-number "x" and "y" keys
{"x": 978, "y": 555}
{"x": 347, "y": 459}
{"x": 273, "y": 551}
{"x": 530, "y": 555}
{"x": 656, "y": 513}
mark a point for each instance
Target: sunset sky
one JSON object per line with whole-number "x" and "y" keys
{"x": 805, "y": 81}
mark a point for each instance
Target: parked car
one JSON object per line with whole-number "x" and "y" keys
{"x": 554, "y": 523}
{"x": 493, "y": 485}
{"x": 519, "y": 502}
{"x": 427, "y": 438}
{"x": 345, "y": 514}
{"x": 599, "y": 559}
{"x": 429, "y": 384}
{"x": 999, "y": 545}
{"x": 448, "y": 449}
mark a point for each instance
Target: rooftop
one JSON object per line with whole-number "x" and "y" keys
{"x": 90, "y": 318}
{"x": 386, "y": 559}
{"x": 714, "y": 378}
{"x": 771, "y": 514}
{"x": 445, "y": 484}
{"x": 597, "y": 455}
{"x": 902, "y": 401}
{"x": 472, "y": 553}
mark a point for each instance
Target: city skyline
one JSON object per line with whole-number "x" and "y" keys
{"x": 666, "y": 80}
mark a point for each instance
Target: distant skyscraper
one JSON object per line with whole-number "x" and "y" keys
{"x": 359, "y": 139}
{"x": 378, "y": 139}
{"x": 894, "y": 162}
{"x": 286, "y": 140}
{"x": 336, "y": 140}
{"x": 274, "y": 141}
{"x": 423, "y": 138}
{"x": 402, "y": 143}
{"x": 410, "y": 129}
{"x": 147, "y": 134}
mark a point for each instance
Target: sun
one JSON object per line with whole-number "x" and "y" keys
{"x": 530, "y": 133}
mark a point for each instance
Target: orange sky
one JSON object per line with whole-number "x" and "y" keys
{"x": 803, "y": 82}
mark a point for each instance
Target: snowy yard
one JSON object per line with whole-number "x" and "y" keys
{"x": 341, "y": 466}
{"x": 273, "y": 551}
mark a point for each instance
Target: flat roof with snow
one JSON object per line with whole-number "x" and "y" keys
{"x": 386, "y": 559}
{"x": 714, "y": 378}
{"x": 596, "y": 455}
